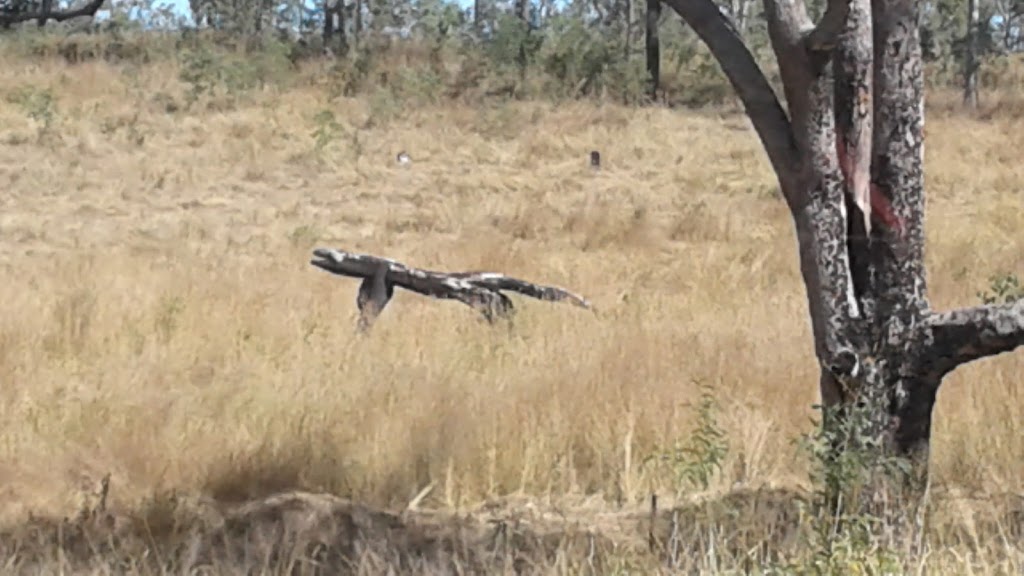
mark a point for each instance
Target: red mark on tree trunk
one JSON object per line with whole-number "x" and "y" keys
{"x": 880, "y": 205}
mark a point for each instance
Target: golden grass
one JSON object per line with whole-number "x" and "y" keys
{"x": 161, "y": 321}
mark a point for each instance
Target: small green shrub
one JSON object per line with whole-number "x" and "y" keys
{"x": 693, "y": 461}
{"x": 1003, "y": 289}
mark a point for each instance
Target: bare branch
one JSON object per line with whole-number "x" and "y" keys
{"x": 89, "y": 9}
{"x": 762, "y": 106}
{"x": 969, "y": 334}
{"x": 824, "y": 36}
{"x": 479, "y": 290}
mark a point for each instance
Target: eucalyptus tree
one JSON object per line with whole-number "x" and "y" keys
{"x": 848, "y": 152}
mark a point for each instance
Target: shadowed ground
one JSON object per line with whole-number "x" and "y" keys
{"x": 323, "y": 534}
{"x": 305, "y": 533}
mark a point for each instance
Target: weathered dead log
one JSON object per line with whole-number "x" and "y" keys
{"x": 479, "y": 290}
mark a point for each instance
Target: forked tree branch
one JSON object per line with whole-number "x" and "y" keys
{"x": 762, "y": 106}
{"x": 969, "y": 334}
{"x": 479, "y": 290}
{"x": 825, "y": 35}
{"x": 799, "y": 146}
{"x": 89, "y": 9}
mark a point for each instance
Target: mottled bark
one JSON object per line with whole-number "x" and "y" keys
{"x": 851, "y": 147}
{"x": 897, "y": 282}
{"x": 481, "y": 291}
{"x": 853, "y": 65}
{"x": 852, "y": 68}
{"x": 965, "y": 335}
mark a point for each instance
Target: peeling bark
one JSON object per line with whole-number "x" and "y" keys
{"x": 479, "y": 290}
{"x": 853, "y": 65}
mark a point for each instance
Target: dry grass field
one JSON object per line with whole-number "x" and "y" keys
{"x": 161, "y": 322}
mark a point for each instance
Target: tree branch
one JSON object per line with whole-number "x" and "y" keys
{"x": 761, "y": 104}
{"x": 479, "y": 290}
{"x": 89, "y": 9}
{"x": 800, "y": 147}
{"x": 969, "y": 334}
{"x": 824, "y": 36}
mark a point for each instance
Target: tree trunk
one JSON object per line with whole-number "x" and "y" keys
{"x": 336, "y": 13}
{"x": 653, "y": 47}
{"x": 522, "y": 8}
{"x": 357, "y": 29}
{"x": 629, "y": 30}
{"x": 329, "y": 23}
{"x": 523, "y": 12}
{"x": 46, "y": 8}
{"x": 971, "y": 57}
{"x": 848, "y": 155}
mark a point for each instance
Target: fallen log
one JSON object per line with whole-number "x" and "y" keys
{"x": 479, "y": 290}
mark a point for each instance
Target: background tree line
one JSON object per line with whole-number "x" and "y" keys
{"x": 629, "y": 50}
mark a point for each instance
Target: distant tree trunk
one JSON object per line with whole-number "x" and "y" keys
{"x": 522, "y": 8}
{"x": 740, "y": 15}
{"x": 328, "y": 34}
{"x": 971, "y": 57}
{"x": 882, "y": 351}
{"x": 358, "y": 24}
{"x": 334, "y": 25}
{"x": 629, "y": 29}
{"x": 653, "y": 47}
{"x": 476, "y": 16}
{"x": 47, "y": 7}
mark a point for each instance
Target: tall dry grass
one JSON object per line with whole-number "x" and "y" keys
{"x": 161, "y": 322}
